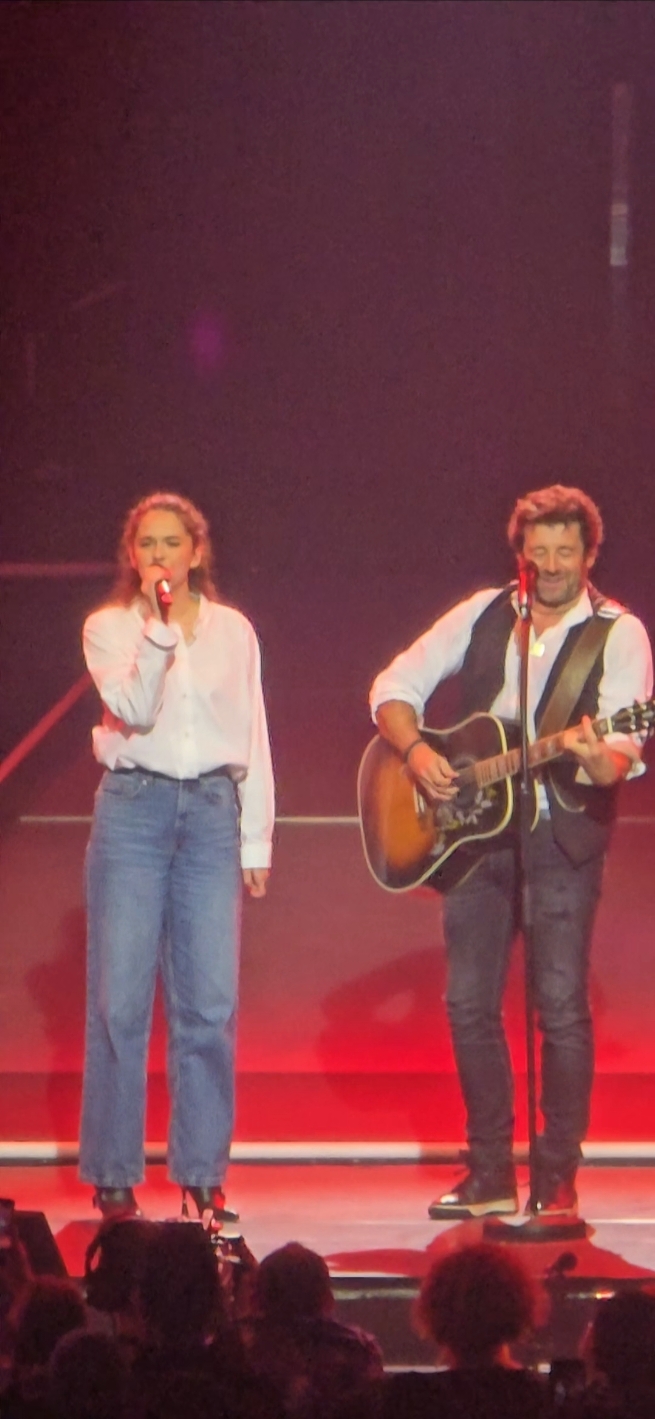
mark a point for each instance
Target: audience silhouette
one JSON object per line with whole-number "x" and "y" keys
{"x": 179, "y": 1322}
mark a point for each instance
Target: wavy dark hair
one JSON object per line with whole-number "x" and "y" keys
{"x": 127, "y": 584}
{"x": 554, "y": 505}
{"x": 292, "y": 1282}
{"x": 623, "y": 1339}
{"x": 476, "y": 1299}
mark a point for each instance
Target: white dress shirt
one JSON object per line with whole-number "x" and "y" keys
{"x": 627, "y": 668}
{"x": 183, "y": 709}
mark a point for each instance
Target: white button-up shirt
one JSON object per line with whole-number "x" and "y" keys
{"x": 184, "y": 709}
{"x": 627, "y": 668}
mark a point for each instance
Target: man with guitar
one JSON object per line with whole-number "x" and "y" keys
{"x": 588, "y": 657}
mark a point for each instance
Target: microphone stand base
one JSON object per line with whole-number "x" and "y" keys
{"x": 537, "y": 1227}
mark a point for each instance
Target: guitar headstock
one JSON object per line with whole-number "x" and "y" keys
{"x": 638, "y": 719}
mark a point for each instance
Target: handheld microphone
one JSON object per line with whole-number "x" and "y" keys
{"x": 527, "y": 576}
{"x": 163, "y": 594}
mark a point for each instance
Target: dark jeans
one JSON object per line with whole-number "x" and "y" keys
{"x": 481, "y": 916}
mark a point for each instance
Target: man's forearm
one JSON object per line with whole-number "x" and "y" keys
{"x": 397, "y": 722}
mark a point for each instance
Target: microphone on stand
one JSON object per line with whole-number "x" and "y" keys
{"x": 527, "y": 576}
{"x": 164, "y": 595}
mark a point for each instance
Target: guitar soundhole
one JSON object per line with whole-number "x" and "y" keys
{"x": 470, "y": 805}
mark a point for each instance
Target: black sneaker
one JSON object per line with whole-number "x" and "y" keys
{"x": 556, "y": 1197}
{"x": 477, "y": 1195}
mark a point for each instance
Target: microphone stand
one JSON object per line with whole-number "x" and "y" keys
{"x": 538, "y": 1227}
{"x": 525, "y": 813}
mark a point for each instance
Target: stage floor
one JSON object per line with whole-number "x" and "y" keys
{"x": 367, "y": 1219}
{"x": 370, "y": 1222}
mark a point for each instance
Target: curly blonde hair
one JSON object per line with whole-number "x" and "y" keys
{"x": 127, "y": 584}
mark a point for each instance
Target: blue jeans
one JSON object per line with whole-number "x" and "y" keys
{"x": 481, "y": 917}
{"x": 163, "y": 892}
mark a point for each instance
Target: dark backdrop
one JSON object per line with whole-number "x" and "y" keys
{"x": 340, "y": 273}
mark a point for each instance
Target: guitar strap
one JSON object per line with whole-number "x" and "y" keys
{"x": 570, "y": 684}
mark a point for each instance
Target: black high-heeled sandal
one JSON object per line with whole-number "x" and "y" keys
{"x": 208, "y": 1199}
{"x": 116, "y": 1202}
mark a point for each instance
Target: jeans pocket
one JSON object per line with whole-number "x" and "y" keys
{"x": 118, "y": 785}
{"x": 217, "y": 789}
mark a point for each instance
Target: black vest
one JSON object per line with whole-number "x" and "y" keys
{"x": 582, "y": 815}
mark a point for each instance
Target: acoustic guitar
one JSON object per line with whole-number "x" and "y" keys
{"x": 408, "y": 839}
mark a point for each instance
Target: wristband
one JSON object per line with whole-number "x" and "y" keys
{"x": 412, "y": 746}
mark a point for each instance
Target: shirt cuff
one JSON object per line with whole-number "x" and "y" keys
{"x": 256, "y": 854}
{"x": 166, "y": 637}
{"x": 623, "y": 745}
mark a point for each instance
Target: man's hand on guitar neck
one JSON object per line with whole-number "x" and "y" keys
{"x": 604, "y": 764}
{"x": 397, "y": 722}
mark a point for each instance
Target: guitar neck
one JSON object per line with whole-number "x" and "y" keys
{"x": 501, "y": 766}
